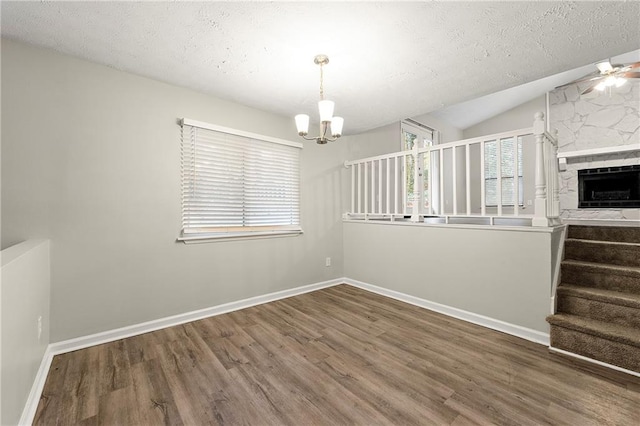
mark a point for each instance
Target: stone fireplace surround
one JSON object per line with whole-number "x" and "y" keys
{"x": 601, "y": 120}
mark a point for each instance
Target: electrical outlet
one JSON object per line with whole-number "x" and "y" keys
{"x": 39, "y": 327}
{"x": 327, "y": 261}
{"x": 529, "y": 202}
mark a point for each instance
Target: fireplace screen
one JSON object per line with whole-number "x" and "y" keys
{"x": 607, "y": 187}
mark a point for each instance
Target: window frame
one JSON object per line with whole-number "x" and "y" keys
{"x": 420, "y": 130}
{"x": 425, "y": 133}
{"x": 199, "y": 234}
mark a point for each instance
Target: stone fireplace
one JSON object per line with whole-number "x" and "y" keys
{"x": 606, "y": 128}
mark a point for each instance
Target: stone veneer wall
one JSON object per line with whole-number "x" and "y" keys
{"x": 600, "y": 119}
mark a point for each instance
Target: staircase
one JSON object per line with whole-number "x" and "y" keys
{"x": 598, "y": 299}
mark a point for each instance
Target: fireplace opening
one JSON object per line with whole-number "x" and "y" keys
{"x": 609, "y": 187}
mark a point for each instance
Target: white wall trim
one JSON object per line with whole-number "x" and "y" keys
{"x": 31, "y": 405}
{"x": 494, "y": 324}
{"x": 70, "y": 345}
{"x": 57, "y": 348}
{"x": 514, "y": 228}
{"x": 593, "y": 361}
{"x": 146, "y": 327}
{"x": 599, "y": 151}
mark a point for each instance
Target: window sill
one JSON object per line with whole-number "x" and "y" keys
{"x": 199, "y": 238}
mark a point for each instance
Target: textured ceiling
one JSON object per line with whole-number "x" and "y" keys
{"x": 389, "y": 60}
{"x": 468, "y": 113}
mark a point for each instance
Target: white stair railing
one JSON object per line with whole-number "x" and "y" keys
{"x": 547, "y": 203}
{"x": 379, "y": 186}
{"x": 392, "y": 186}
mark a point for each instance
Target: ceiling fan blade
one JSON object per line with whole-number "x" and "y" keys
{"x": 591, "y": 94}
{"x": 604, "y": 67}
{"x": 624, "y": 68}
{"x": 629, "y": 74}
{"x": 589, "y": 90}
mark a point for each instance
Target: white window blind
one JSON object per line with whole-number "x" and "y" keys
{"x": 237, "y": 184}
{"x": 510, "y": 168}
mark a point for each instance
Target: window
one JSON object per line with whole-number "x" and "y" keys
{"x": 237, "y": 184}
{"x": 413, "y": 133}
{"x": 508, "y": 163}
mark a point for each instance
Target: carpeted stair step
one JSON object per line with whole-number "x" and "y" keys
{"x": 600, "y": 304}
{"x": 599, "y": 275}
{"x": 597, "y": 340}
{"x": 622, "y": 234}
{"x": 622, "y": 254}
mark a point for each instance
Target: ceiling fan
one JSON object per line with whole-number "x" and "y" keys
{"x": 608, "y": 75}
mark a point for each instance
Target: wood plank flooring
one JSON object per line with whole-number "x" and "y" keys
{"x": 335, "y": 356}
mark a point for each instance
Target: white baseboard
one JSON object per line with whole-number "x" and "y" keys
{"x": 33, "y": 400}
{"x": 146, "y": 327}
{"x": 70, "y": 345}
{"x": 494, "y": 324}
{"x": 29, "y": 411}
{"x": 594, "y": 361}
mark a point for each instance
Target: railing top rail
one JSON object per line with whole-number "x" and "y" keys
{"x": 511, "y": 133}
{"x": 503, "y": 135}
{"x": 378, "y": 157}
{"x": 552, "y": 136}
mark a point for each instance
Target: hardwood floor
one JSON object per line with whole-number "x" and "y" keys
{"x": 335, "y": 356}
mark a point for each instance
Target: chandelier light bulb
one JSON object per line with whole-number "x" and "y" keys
{"x": 336, "y": 126}
{"x": 302, "y": 124}
{"x": 326, "y": 110}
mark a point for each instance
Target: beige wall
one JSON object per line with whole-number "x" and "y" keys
{"x": 516, "y": 118}
{"x": 448, "y": 133}
{"x": 504, "y": 275}
{"x": 91, "y": 160}
{"x": 386, "y": 139}
{"x": 25, "y": 298}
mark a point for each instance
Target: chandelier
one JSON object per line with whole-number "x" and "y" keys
{"x": 327, "y": 120}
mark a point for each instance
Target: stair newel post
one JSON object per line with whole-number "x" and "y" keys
{"x": 540, "y": 214}
{"x": 417, "y": 185}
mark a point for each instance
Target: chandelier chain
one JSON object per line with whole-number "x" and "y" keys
{"x": 321, "y": 83}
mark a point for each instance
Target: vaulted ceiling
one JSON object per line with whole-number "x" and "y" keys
{"x": 388, "y": 60}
